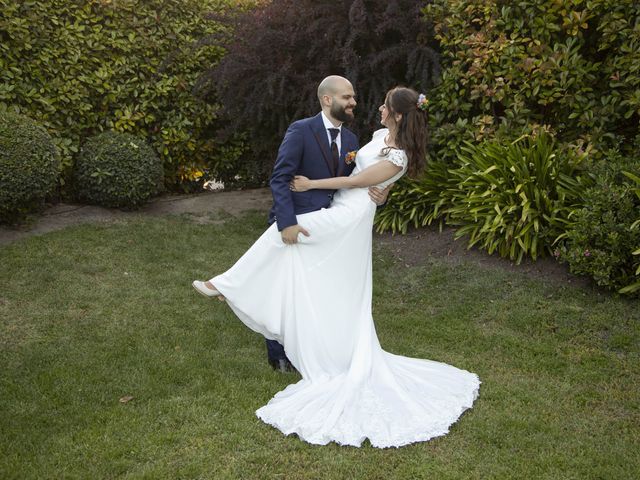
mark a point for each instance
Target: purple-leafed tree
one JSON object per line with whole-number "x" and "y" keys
{"x": 278, "y": 53}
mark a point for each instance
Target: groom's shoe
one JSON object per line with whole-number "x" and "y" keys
{"x": 282, "y": 365}
{"x": 204, "y": 290}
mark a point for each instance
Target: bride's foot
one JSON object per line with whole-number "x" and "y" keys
{"x": 206, "y": 289}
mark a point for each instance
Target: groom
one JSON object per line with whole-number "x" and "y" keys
{"x": 316, "y": 148}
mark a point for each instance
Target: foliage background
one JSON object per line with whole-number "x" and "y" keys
{"x": 602, "y": 238}
{"x": 82, "y": 67}
{"x": 570, "y": 68}
{"x": 572, "y": 65}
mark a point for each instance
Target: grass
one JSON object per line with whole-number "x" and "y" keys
{"x": 94, "y": 313}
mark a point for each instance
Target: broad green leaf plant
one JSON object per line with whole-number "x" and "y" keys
{"x": 634, "y": 287}
{"x": 514, "y": 198}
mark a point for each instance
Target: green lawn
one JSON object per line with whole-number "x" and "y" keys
{"x": 91, "y": 314}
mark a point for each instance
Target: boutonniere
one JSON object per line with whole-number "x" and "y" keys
{"x": 350, "y": 157}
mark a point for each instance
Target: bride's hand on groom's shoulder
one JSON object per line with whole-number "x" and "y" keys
{"x": 300, "y": 183}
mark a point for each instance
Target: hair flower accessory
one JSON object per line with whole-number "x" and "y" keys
{"x": 423, "y": 102}
{"x": 350, "y": 157}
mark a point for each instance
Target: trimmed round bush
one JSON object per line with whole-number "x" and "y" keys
{"x": 29, "y": 165}
{"x": 117, "y": 170}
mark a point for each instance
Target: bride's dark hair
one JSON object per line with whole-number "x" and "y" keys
{"x": 411, "y": 130}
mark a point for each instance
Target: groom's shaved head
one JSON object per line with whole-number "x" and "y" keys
{"x": 337, "y": 99}
{"x": 332, "y": 85}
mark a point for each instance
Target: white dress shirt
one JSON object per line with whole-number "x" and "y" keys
{"x": 327, "y": 126}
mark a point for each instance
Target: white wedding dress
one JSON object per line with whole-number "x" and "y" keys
{"x": 315, "y": 299}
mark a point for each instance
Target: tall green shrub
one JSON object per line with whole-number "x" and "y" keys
{"x": 129, "y": 65}
{"x": 28, "y": 165}
{"x": 571, "y": 64}
{"x": 602, "y": 237}
{"x": 635, "y": 286}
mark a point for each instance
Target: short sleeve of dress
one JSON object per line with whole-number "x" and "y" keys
{"x": 397, "y": 157}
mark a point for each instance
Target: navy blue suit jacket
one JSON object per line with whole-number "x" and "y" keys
{"x": 305, "y": 150}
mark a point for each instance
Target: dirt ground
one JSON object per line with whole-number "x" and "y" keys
{"x": 414, "y": 248}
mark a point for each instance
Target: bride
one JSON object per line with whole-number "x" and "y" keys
{"x": 314, "y": 297}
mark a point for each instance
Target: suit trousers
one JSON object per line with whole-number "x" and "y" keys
{"x": 275, "y": 351}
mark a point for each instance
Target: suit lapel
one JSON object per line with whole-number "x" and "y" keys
{"x": 343, "y": 151}
{"x": 317, "y": 127}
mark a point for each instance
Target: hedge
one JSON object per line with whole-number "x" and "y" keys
{"x": 79, "y": 68}
{"x": 570, "y": 64}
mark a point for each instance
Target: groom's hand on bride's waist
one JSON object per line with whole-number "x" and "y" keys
{"x": 290, "y": 234}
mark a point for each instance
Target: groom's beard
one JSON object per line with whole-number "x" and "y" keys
{"x": 340, "y": 113}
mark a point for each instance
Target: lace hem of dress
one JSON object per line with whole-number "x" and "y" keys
{"x": 375, "y": 421}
